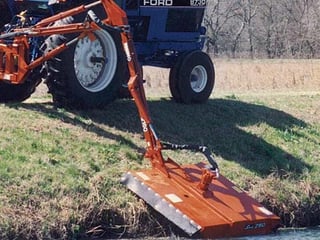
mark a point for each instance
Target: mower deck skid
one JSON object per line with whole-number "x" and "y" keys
{"x": 221, "y": 211}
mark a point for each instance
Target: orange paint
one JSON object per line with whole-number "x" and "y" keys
{"x": 223, "y": 210}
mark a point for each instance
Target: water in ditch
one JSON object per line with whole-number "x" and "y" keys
{"x": 289, "y": 234}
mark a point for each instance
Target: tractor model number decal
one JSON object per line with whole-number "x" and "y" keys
{"x": 173, "y": 3}
{"x": 197, "y": 3}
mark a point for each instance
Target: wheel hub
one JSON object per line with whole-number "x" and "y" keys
{"x": 92, "y": 67}
{"x": 88, "y": 71}
{"x": 198, "y": 78}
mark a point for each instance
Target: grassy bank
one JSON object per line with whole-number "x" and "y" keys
{"x": 60, "y": 170}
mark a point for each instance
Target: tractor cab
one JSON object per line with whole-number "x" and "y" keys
{"x": 164, "y": 28}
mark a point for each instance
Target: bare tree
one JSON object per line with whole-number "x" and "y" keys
{"x": 303, "y": 21}
{"x": 245, "y": 13}
{"x": 217, "y": 17}
{"x": 252, "y": 8}
{"x": 272, "y": 27}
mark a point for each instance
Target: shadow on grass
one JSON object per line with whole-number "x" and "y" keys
{"x": 78, "y": 119}
{"x": 219, "y": 124}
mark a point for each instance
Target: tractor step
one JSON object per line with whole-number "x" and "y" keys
{"x": 223, "y": 210}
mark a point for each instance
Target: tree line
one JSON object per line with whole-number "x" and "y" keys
{"x": 257, "y": 28}
{"x": 263, "y": 28}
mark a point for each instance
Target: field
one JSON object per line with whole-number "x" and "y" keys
{"x": 60, "y": 169}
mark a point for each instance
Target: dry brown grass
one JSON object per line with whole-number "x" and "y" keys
{"x": 236, "y": 76}
{"x": 267, "y": 75}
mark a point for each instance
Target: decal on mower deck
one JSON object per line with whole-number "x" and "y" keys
{"x": 173, "y": 3}
{"x": 255, "y": 226}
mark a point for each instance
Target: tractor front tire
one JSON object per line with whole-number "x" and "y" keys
{"x": 89, "y": 74}
{"x": 192, "y": 79}
{"x": 174, "y": 78}
{"x": 15, "y": 92}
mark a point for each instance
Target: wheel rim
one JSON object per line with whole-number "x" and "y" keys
{"x": 198, "y": 78}
{"x": 95, "y": 61}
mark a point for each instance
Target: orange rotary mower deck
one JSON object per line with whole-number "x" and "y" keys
{"x": 194, "y": 197}
{"x": 223, "y": 210}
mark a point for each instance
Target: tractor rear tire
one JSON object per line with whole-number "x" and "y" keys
{"x": 192, "y": 79}
{"x": 5, "y": 13}
{"x": 89, "y": 74}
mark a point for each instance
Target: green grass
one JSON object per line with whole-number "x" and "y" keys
{"x": 60, "y": 170}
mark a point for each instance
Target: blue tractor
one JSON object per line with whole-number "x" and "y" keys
{"x": 90, "y": 74}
